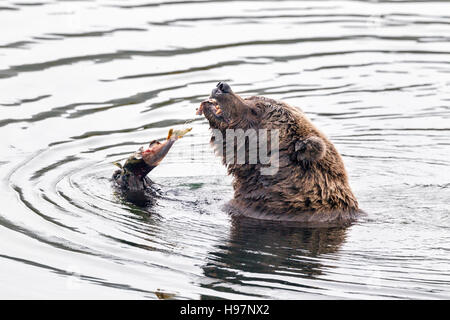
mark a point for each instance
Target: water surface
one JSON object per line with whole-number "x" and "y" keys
{"x": 85, "y": 83}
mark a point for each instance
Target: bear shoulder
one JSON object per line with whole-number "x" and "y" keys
{"x": 305, "y": 141}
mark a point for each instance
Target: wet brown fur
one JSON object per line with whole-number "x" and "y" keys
{"x": 311, "y": 184}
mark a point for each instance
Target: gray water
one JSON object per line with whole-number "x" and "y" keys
{"x": 86, "y": 83}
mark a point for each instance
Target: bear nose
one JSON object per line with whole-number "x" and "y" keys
{"x": 224, "y": 87}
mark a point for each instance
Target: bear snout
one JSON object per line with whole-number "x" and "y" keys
{"x": 221, "y": 87}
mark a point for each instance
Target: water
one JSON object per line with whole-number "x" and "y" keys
{"x": 86, "y": 83}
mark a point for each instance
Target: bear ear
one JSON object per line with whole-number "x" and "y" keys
{"x": 310, "y": 149}
{"x": 255, "y": 111}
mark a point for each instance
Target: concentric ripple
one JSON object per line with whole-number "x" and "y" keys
{"x": 87, "y": 83}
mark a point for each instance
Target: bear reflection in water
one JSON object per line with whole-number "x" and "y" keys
{"x": 267, "y": 248}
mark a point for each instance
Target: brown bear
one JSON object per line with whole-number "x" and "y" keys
{"x": 310, "y": 185}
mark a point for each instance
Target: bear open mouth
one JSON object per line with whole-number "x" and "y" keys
{"x": 211, "y": 109}
{"x": 209, "y": 105}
